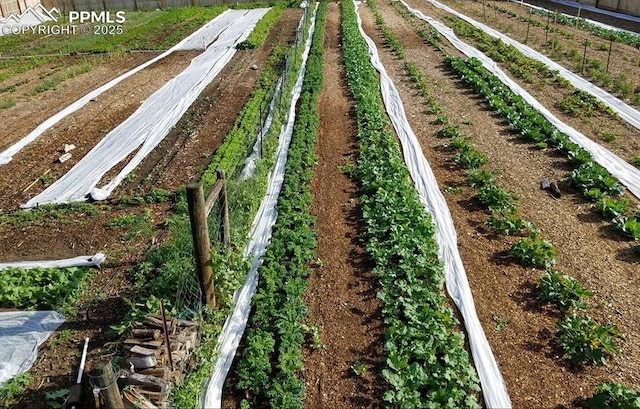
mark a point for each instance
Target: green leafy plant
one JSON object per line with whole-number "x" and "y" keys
{"x": 611, "y": 207}
{"x": 55, "y": 399}
{"x": 510, "y": 225}
{"x": 586, "y": 342}
{"x": 496, "y": 199}
{"x": 563, "y": 291}
{"x": 629, "y": 226}
{"x": 358, "y": 368}
{"x": 40, "y": 287}
{"x": 614, "y": 396}
{"x": 534, "y": 251}
{"x": 13, "y": 388}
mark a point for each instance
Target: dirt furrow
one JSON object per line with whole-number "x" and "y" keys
{"x": 342, "y": 292}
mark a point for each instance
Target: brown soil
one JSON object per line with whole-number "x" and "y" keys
{"x": 342, "y": 293}
{"x": 536, "y": 373}
{"x": 603, "y": 18}
{"x": 104, "y": 302}
{"x": 614, "y": 134}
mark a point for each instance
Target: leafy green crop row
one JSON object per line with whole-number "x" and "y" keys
{"x": 268, "y": 366}
{"x": 426, "y": 359}
{"x": 40, "y": 288}
{"x": 591, "y": 178}
{"x": 260, "y": 33}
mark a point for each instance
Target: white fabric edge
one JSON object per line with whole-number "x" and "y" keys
{"x": 577, "y": 5}
{"x": 80, "y": 261}
{"x": 236, "y": 323}
{"x": 7, "y": 155}
{"x": 250, "y": 162}
{"x": 626, "y": 173}
{"x": 21, "y": 333}
{"x": 494, "y": 389}
{"x": 595, "y": 23}
{"x": 626, "y": 112}
{"x": 152, "y": 121}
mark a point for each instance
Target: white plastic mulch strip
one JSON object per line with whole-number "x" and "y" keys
{"x": 82, "y": 261}
{"x": 201, "y": 38}
{"x": 21, "y": 332}
{"x": 595, "y": 23}
{"x": 598, "y": 10}
{"x": 148, "y": 125}
{"x": 250, "y": 162}
{"x": 629, "y": 114}
{"x": 627, "y": 174}
{"x": 494, "y": 389}
{"x": 236, "y": 323}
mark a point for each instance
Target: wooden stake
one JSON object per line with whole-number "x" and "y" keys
{"x": 106, "y": 381}
{"x": 166, "y": 335}
{"x": 36, "y": 181}
{"x": 200, "y": 233}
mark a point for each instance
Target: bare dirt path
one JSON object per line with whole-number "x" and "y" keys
{"x": 525, "y": 348}
{"x": 342, "y": 292}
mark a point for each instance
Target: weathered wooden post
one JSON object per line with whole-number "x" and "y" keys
{"x": 200, "y": 233}
{"x": 609, "y": 55}
{"x": 106, "y": 381}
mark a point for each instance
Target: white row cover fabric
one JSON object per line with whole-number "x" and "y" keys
{"x": 250, "y": 162}
{"x": 149, "y": 125}
{"x": 81, "y": 261}
{"x": 201, "y": 38}
{"x": 598, "y": 10}
{"x": 595, "y": 23}
{"x": 627, "y": 174}
{"x": 21, "y": 332}
{"x": 236, "y": 323}
{"x": 629, "y": 114}
{"x": 494, "y": 389}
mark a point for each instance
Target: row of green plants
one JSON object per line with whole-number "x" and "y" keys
{"x": 268, "y": 368}
{"x": 426, "y": 360}
{"x": 41, "y": 288}
{"x": 583, "y": 339}
{"x": 592, "y": 179}
{"x": 244, "y": 196}
{"x": 524, "y": 67}
{"x": 263, "y": 28}
{"x": 608, "y": 34}
{"x": 155, "y": 30}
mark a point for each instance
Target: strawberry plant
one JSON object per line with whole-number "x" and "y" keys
{"x": 563, "y": 291}
{"x": 586, "y": 342}
{"x": 614, "y": 396}
{"x": 534, "y": 251}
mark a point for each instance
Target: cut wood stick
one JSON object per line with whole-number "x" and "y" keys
{"x": 36, "y": 181}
